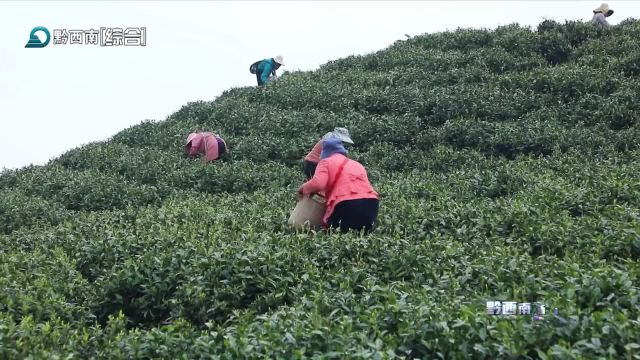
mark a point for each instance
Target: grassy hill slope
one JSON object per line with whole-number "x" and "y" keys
{"x": 507, "y": 162}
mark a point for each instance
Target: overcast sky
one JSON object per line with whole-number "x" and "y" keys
{"x": 59, "y": 97}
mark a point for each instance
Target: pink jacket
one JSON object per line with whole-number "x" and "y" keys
{"x": 203, "y": 143}
{"x": 352, "y": 184}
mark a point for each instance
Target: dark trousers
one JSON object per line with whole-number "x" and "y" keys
{"x": 355, "y": 214}
{"x": 221, "y": 147}
{"x": 258, "y": 73}
{"x": 309, "y": 168}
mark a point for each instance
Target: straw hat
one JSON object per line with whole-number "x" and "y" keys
{"x": 339, "y": 133}
{"x": 279, "y": 60}
{"x": 343, "y": 134}
{"x": 603, "y": 8}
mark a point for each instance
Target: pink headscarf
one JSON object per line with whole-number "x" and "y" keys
{"x": 203, "y": 143}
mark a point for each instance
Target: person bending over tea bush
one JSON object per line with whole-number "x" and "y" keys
{"x": 352, "y": 203}
{"x": 265, "y": 68}
{"x": 209, "y": 144}
{"x": 310, "y": 161}
{"x": 601, "y": 14}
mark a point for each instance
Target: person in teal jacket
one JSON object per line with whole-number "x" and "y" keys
{"x": 266, "y": 68}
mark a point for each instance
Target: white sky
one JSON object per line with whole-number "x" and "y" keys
{"x": 62, "y": 96}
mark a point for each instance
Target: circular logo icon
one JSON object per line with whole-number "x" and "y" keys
{"x": 34, "y": 41}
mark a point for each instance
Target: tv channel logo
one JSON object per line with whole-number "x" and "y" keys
{"x": 34, "y": 40}
{"x": 104, "y": 36}
{"x": 509, "y": 308}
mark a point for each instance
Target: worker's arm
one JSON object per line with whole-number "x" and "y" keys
{"x": 266, "y": 71}
{"x": 319, "y": 181}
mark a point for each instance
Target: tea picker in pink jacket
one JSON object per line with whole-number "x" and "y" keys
{"x": 352, "y": 203}
{"x": 209, "y": 144}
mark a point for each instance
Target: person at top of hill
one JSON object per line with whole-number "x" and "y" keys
{"x": 267, "y": 67}
{"x": 207, "y": 143}
{"x": 352, "y": 203}
{"x": 313, "y": 157}
{"x": 601, "y": 14}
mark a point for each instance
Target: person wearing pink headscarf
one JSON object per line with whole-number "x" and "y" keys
{"x": 207, "y": 143}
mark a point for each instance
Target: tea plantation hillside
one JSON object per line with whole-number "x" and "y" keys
{"x": 507, "y": 163}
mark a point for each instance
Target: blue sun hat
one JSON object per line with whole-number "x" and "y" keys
{"x": 331, "y": 146}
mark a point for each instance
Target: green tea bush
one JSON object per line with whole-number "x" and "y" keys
{"x": 43, "y": 287}
{"x": 19, "y": 210}
{"x": 85, "y": 190}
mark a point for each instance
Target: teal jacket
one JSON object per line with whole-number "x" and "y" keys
{"x": 265, "y": 68}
